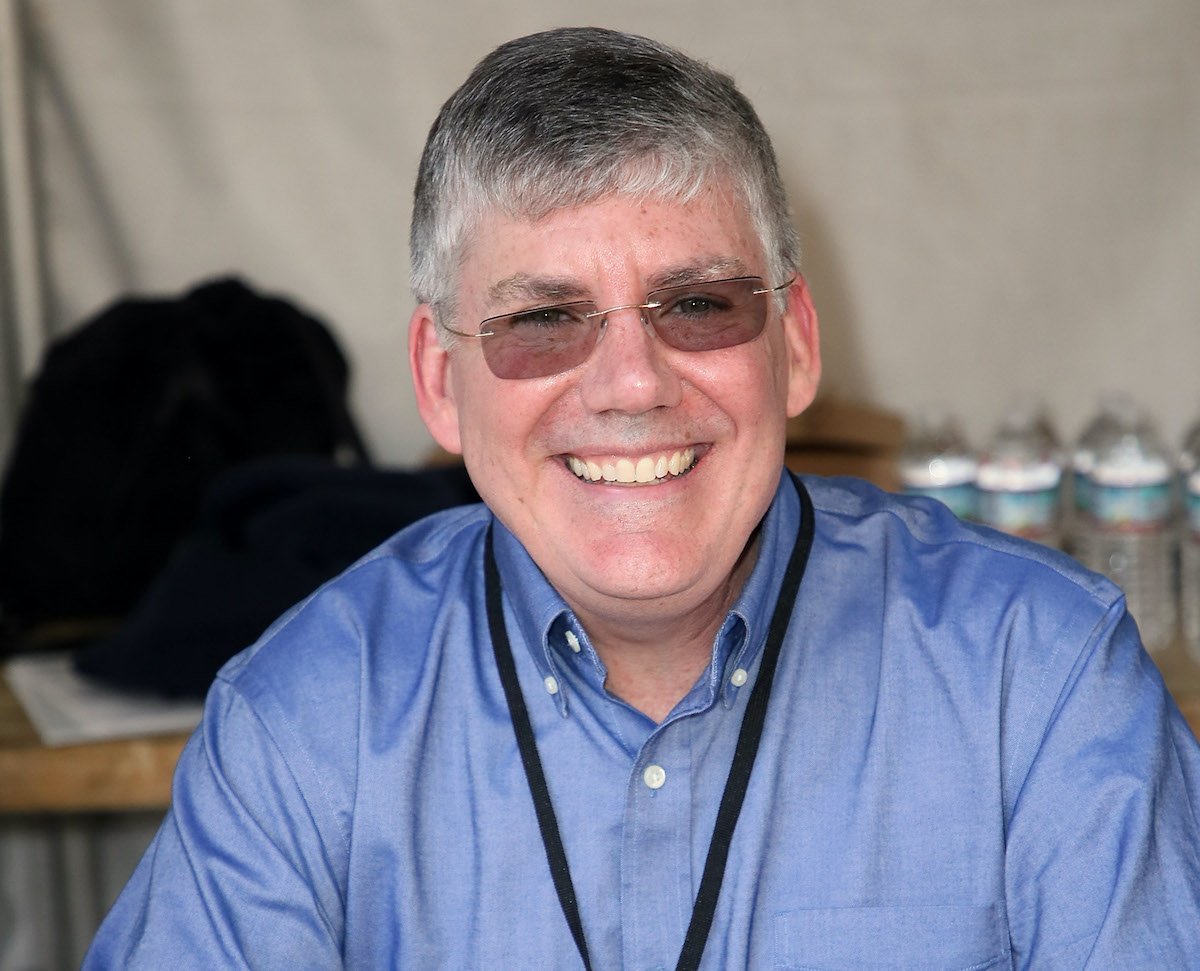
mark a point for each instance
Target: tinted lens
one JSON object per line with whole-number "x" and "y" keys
{"x": 541, "y": 342}
{"x": 709, "y": 316}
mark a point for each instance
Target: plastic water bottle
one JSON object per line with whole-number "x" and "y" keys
{"x": 1126, "y": 531}
{"x": 1020, "y": 478}
{"x": 937, "y": 462}
{"x": 1189, "y": 541}
{"x": 1101, "y": 428}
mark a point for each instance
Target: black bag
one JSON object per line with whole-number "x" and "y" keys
{"x": 269, "y": 533}
{"x": 130, "y": 419}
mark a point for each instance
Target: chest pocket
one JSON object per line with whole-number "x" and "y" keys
{"x": 929, "y": 938}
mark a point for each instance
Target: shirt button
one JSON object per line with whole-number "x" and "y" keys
{"x": 551, "y": 685}
{"x": 739, "y": 677}
{"x": 654, "y": 776}
{"x": 572, "y": 641}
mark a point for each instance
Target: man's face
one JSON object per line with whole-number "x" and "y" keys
{"x": 614, "y": 549}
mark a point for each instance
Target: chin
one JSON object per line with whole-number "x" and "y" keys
{"x": 642, "y": 571}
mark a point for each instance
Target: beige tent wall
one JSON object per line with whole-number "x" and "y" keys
{"x": 997, "y": 200}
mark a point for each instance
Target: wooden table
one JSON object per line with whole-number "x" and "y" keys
{"x": 100, "y": 776}
{"x": 136, "y": 774}
{"x": 1182, "y": 675}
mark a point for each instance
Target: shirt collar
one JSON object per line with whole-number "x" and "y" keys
{"x": 543, "y": 617}
{"x": 756, "y": 604}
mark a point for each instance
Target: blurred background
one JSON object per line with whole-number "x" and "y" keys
{"x": 995, "y": 199}
{"x": 998, "y": 202}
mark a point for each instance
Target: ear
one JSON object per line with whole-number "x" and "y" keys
{"x": 803, "y": 340}
{"x": 430, "y": 364}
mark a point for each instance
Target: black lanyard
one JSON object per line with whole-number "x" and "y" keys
{"x": 739, "y": 771}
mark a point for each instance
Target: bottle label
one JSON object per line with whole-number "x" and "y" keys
{"x": 963, "y": 500}
{"x": 1138, "y": 508}
{"x": 1032, "y": 514}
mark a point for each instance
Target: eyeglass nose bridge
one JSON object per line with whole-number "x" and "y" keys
{"x": 603, "y": 314}
{"x": 640, "y": 307}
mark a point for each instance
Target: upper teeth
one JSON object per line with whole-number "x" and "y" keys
{"x": 648, "y": 468}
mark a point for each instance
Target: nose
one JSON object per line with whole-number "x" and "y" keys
{"x": 628, "y": 371}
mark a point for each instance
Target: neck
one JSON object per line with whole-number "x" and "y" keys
{"x": 655, "y": 682}
{"x": 654, "y": 658}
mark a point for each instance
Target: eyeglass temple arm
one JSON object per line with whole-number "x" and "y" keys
{"x": 782, "y": 286}
{"x": 463, "y": 333}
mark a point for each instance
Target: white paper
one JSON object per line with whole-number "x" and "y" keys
{"x": 67, "y": 708}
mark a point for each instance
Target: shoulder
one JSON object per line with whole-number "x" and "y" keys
{"x": 345, "y": 672}
{"x": 940, "y": 605}
{"x": 924, "y": 534}
{"x": 380, "y": 611}
{"x": 354, "y": 659}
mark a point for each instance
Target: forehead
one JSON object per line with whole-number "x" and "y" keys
{"x": 614, "y": 240}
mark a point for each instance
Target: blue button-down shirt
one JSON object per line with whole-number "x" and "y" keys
{"x": 968, "y": 763}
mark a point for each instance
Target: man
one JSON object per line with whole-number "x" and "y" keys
{"x": 656, "y": 703}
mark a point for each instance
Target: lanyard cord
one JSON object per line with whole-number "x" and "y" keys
{"x": 739, "y": 771}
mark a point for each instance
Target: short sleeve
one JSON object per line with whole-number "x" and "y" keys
{"x": 242, "y": 873}
{"x": 1103, "y": 848}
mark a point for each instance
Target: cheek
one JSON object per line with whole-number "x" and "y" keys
{"x": 470, "y": 401}
{"x": 751, "y": 377}
{"x": 501, "y": 422}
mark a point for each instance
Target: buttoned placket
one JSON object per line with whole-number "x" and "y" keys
{"x": 656, "y": 865}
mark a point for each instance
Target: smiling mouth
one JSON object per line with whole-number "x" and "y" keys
{"x": 643, "y": 470}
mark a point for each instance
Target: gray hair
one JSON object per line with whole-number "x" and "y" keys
{"x": 565, "y": 117}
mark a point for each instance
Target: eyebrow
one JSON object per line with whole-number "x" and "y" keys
{"x": 696, "y": 271}
{"x": 525, "y": 287}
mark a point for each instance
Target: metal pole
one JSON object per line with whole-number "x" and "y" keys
{"x": 20, "y": 230}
